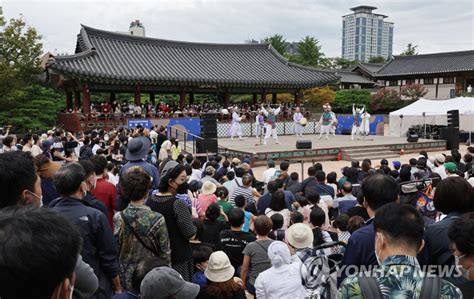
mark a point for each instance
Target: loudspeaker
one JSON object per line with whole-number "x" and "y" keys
{"x": 303, "y": 144}
{"x": 453, "y": 118}
{"x": 208, "y": 125}
{"x": 412, "y": 137}
{"x": 206, "y": 146}
{"x": 451, "y": 135}
{"x": 209, "y": 133}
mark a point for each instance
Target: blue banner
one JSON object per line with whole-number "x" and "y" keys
{"x": 133, "y": 123}
{"x": 344, "y": 122}
{"x": 189, "y": 125}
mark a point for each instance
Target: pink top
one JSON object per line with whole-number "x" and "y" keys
{"x": 203, "y": 202}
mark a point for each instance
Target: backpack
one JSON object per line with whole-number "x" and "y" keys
{"x": 369, "y": 286}
{"x": 418, "y": 194}
{"x": 319, "y": 272}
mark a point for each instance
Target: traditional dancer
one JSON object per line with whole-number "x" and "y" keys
{"x": 259, "y": 124}
{"x": 366, "y": 123}
{"x": 357, "y": 112}
{"x": 326, "y": 121}
{"x": 297, "y": 127}
{"x": 236, "y": 128}
{"x": 271, "y": 115}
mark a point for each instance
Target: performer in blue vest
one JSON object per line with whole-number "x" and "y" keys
{"x": 326, "y": 121}
{"x": 357, "y": 113}
{"x": 271, "y": 115}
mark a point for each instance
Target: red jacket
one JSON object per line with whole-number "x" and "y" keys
{"x": 107, "y": 194}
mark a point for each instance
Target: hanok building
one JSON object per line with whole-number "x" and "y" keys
{"x": 445, "y": 75}
{"x": 109, "y": 62}
{"x": 354, "y": 80}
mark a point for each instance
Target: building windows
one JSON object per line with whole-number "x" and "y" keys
{"x": 393, "y": 83}
{"x": 428, "y": 81}
{"x": 357, "y": 21}
{"x": 448, "y": 80}
{"x": 364, "y": 21}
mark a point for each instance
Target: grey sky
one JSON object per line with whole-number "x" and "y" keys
{"x": 436, "y": 25}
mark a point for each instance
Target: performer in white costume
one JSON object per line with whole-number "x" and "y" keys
{"x": 326, "y": 121}
{"x": 297, "y": 127}
{"x": 365, "y": 123}
{"x": 271, "y": 115}
{"x": 236, "y": 128}
{"x": 259, "y": 124}
{"x": 357, "y": 113}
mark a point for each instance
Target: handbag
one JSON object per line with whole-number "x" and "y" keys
{"x": 149, "y": 248}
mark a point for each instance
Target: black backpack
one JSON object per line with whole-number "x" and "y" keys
{"x": 431, "y": 287}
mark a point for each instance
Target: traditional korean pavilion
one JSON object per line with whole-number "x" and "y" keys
{"x": 110, "y": 62}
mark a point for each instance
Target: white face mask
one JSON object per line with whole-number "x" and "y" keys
{"x": 38, "y": 197}
{"x": 464, "y": 272}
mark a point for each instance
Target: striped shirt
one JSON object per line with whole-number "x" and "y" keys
{"x": 246, "y": 192}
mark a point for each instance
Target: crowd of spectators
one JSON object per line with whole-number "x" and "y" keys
{"x": 125, "y": 213}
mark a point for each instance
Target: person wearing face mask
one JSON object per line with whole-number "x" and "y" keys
{"x": 99, "y": 248}
{"x": 177, "y": 216}
{"x": 398, "y": 240}
{"x": 461, "y": 234}
{"x": 50, "y": 270}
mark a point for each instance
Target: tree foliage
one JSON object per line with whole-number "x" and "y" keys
{"x": 414, "y": 91}
{"x": 277, "y": 41}
{"x": 23, "y": 102}
{"x": 346, "y": 97}
{"x": 387, "y": 100}
{"x": 309, "y": 53}
{"x": 377, "y": 59}
{"x": 314, "y": 98}
{"x": 410, "y": 50}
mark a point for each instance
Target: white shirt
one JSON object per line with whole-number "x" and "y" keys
{"x": 95, "y": 148}
{"x": 281, "y": 282}
{"x": 441, "y": 171}
{"x": 267, "y": 174}
{"x": 471, "y": 181}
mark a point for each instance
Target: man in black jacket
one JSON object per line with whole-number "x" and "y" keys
{"x": 99, "y": 246}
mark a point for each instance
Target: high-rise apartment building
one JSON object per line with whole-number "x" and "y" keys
{"x": 366, "y": 34}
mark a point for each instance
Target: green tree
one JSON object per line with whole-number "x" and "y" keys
{"x": 342, "y": 63}
{"x": 387, "y": 100}
{"x": 346, "y": 97}
{"x": 377, "y": 59}
{"x": 314, "y": 98}
{"x": 309, "y": 52}
{"x": 410, "y": 50}
{"x": 278, "y": 43}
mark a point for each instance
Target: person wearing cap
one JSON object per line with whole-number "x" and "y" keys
{"x": 451, "y": 169}
{"x": 221, "y": 281}
{"x": 136, "y": 153}
{"x": 439, "y": 166}
{"x": 177, "y": 216}
{"x": 206, "y": 198}
{"x": 46, "y": 170}
{"x": 167, "y": 283}
{"x": 283, "y": 279}
{"x": 397, "y": 165}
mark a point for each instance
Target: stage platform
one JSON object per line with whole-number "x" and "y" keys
{"x": 373, "y": 147}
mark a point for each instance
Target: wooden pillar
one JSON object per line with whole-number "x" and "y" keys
{"x": 274, "y": 98}
{"x": 191, "y": 98}
{"x": 112, "y": 97}
{"x": 437, "y": 83}
{"x": 77, "y": 99}
{"x": 86, "y": 101}
{"x": 138, "y": 100}
{"x": 263, "y": 98}
{"x": 255, "y": 99}
{"x": 226, "y": 99}
{"x": 182, "y": 99}
{"x": 298, "y": 98}
{"x": 68, "y": 100}
{"x": 152, "y": 98}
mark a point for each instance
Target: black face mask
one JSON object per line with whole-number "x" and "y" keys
{"x": 183, "y": 188}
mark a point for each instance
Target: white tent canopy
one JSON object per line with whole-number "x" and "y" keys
{"x": 435, "y": 113}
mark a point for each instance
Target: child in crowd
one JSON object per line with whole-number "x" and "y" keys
{"x": 341, "y": 224}
{"x": 241, "y": 204}
{"x": 277, "y": 233}
{"x": 222, "y": 197}
{"x": 317, "y": 219}
{"x": 200, "y": 259}
{"x": 354, "y": 223}
{"x": 296, "y": 217}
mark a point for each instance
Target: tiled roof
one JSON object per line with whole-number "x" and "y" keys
{"x": 352, "y": 77}
{"x": 115, "y": 58}
{"x": 369, "y": 67}
{"x": 428, "y": 64}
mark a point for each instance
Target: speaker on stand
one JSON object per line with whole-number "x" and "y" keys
{"x": 452, "y": 130}
{"x": 207, "y": 144}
